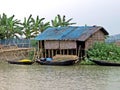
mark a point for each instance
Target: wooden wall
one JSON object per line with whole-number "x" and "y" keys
{"x": 60, "y": 44}
{"x": 52, "y": 48}
{"x": 96, "y": 37}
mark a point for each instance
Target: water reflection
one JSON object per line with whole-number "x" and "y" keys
{"x": 37, "y": 77}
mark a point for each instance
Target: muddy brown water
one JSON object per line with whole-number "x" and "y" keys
{"x": 76, "y": 77}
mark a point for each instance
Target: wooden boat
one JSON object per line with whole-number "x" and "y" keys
{"x": 105, "y": 63}
{"x": 22, "y": 62}
{"x": 56, "y": 63}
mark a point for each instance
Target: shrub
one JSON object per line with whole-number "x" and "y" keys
{"x": 104, "y": 51}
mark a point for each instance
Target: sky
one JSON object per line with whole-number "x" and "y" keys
{"x": 105, "y": 13}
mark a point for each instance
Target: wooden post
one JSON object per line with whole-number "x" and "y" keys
{"x": 76, "y": 51}
{"x": 71, "y": 51}
{"x": 41, "y": 48}
{"x": 63, "y": 51}
{"x": 60, "y": 51}
{"x": 34, "y": 56}
{"x": 45, "y": 53}
{"x": 56, "y": 52}
{"x": 38, "y": 45}
{"x": 48, "y": 52}
{"x": 67, "y": 51}
{"x": 52, "y": 52}
{"x": 79, "y": 51}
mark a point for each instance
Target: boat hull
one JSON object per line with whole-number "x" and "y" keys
{"x": 57, "y": 63}
{"x": 104, "y": 63}
{"x": 20, "y": 63}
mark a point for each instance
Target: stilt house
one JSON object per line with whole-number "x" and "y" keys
{"x": 71, "y": 40}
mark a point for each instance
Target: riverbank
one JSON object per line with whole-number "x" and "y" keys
{"x": 13, "y": 53}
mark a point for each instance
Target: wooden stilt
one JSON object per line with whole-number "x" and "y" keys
{"x": 34, "y": 56}
{"x": 76, "y": 51}
{"x": 63, "y": 51}
{"x": 56, "y": 52}
{"x": 71, "y": 51}
{"x": 45, "y": 53}
{"x": 60, "y": 52}
{"x": 67, "y": 51}
{"x": 52, "y": 52}
{"x": 48, "y": 53}
{"x": 79, "y": 51}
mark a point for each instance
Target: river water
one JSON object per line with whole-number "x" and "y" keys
{"x": 76, "y": 77}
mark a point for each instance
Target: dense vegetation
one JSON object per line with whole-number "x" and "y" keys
{"x": 104, "y": 51}
{"x": 29, "y": 27}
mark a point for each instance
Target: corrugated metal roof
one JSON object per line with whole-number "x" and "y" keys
{"x": 69, "y": 33}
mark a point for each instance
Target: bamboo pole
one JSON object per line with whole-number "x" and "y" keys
{"x": 67, "y": 51}
{"x": 38, "y": 54}
{"x": 34, "y": 56}
{"x": 79, "y": 51}
{"x": 76, "y": 51}
{"x": 48, "y": 53}
{"x": 52, "y": 52}
{"x": 60, "y": 51}
{"x": 63, "y": 51}
{"x": 41, "y": 49}
{"x": 45, "y": 53}
{"x": 71, "y": 51}
{"x": 44, "y": 49}
{"x": 40, "y": 44}
{"x": 56, "y": 52}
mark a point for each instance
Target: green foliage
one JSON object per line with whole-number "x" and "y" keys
{"x": 31, "y": 55}
{"x": 61, "y": 21}
{"x": 86, "y": 62}
{"x": 34, "y": 43}
{"x": 33, "y": 27}
{"x": 30, "y": 27}
{"x": 104, "y": 51}
{"x": 9, "y": 27}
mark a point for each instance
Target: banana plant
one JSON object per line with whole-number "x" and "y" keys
{"x": 32, "y": 27}
{"x": 27, "y": 27}
{"x": 59, "y": 21}
{"x": 44, "y": 26}
{"x": 9, "y": 28}
{"x": 13, "y": 27}
{"x": 38, "y": 25}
